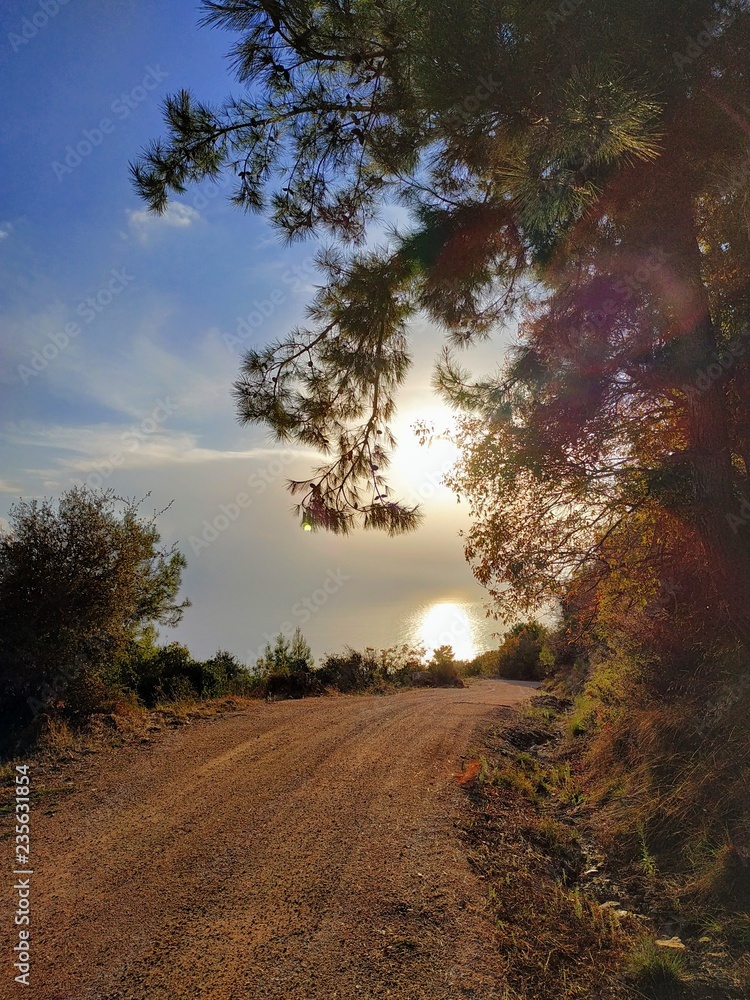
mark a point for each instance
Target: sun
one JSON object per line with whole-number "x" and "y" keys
{"x": 421, "y": 468}
{"x": 448, "y": 624}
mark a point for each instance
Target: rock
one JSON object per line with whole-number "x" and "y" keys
{"x": 673, "y": 942}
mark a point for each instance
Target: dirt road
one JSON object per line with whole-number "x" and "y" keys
{"x": 298, "y": 850}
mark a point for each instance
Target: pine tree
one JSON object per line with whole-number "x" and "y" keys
{"x": 300, "y": 654}
{"x": 586, "y": 170}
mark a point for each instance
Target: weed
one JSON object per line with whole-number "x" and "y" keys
{"x": 553, "y": 835}
{"x": 602, "y": 924}
{"x": 57, "y": 735}
{"x": 658, "y": 972}
{"x": 648, "y": 861}
{"x": 7, "y": 771}
{"x": 508, "y": 776}
{"x": 538, "y": 713}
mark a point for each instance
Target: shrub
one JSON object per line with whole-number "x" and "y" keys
{"x": 78, "y": 581}
{"x": 158, "y": 673}
{"x": 294, "y": 681}
{"x": 224, "y": 674}
{"x": 353, "y": 671}
{"x": 523, "y": 656}
{"x": 660, "y": 972}
{"x": 286, "y": 669}
{"x": 443, "y": 668}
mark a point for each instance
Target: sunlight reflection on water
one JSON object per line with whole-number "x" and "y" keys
{"x": 462, "y": 625}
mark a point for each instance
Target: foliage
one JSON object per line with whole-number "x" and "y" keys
{"x": 361, "y": 104}
{"x": 659, "y": 971}
{"x": 351, "y": 671}
{"x": 78, "y": 581}
{"x": 662, "y": 727}
{"x": 443, "y": 668}
{"x": 224, "y": 674}
{"x": 286, "y": 669}
{"x": 524, "y": 654}
{"x": 584, "y": 174}
{"x": 554, "y": 939}
{"x": 398, "y": 664}
{"x": 285, "y": 653}
{"x": 369, "y": 670}
{"x": 170, "y": 673}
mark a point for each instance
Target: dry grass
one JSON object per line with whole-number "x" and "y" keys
{"x": 656, "y": 972}
{"x": 557, "y": 941}
{"x": 541, "y": 814}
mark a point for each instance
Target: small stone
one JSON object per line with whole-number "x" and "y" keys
{"x": 673, "y": 942}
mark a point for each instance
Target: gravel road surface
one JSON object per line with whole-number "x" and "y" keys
{"x": 289, "y": 851}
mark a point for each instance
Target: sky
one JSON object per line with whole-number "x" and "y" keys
{"x": 121, "y": 334}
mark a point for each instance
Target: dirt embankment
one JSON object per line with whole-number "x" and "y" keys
{"x": 298, "y": 850}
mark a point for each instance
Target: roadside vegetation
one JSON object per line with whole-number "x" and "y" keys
{"x": 611, "y": 820}
{"x": 581, "y": 177}
{"x": 86, "y": 587}
{"x": 584, "y": 907}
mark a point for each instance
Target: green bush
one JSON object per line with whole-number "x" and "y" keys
{"x": 224, "y": 674}
{"x": 297, "y": 680}
{"x": 169, "y": 673}
{"x": 287, "y": 669}
{"x": 658, "y": 972}
{"x": 353, "y": 671}
{"x": 443, "y": 668}
{"x": 79, "y": 581}
{"x": 523, "y": 656}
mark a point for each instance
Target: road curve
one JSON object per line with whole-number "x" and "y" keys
{"x": 292, "y": 851}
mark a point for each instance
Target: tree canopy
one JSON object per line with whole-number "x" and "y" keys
{"x": 584, "y": 173}
{"x": 78, "y": 581}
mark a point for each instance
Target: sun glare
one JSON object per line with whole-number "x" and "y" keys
{"x": 422, "y": 467}
{"x": 448, "y": 624}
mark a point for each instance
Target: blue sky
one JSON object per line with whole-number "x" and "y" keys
{"x": 119, "y": 342}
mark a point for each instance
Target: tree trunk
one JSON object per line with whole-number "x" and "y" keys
{"x": 716, "y": 506}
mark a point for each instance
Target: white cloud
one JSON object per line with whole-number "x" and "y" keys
{"x": 144, "y": 444}
{"x": 5, "y": 230}
{"x": 177, "y": 216}
{"x": 144, "y": 370}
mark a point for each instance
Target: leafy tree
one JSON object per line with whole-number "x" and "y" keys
{"x": 286, "y": 653}
{"x": 588, "y": 173}
{"x": 444, "y": 668}
{"x": 399, "y": 663}
{"x": 523, "y": 654}
{"x": 224, "y": 674}
{"x": 79, "y": 581}
{"x": 173, "y": 675}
